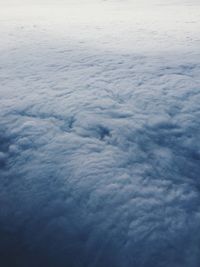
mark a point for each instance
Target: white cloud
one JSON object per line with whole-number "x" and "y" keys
{"x": 99, "y": 137}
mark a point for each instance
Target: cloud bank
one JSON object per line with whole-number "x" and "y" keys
{"x": 99, "y": 140}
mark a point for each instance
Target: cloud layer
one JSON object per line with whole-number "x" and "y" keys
{"x": 99, "y": 141}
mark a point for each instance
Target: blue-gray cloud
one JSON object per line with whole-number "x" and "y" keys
{"x": 99, "y": 156}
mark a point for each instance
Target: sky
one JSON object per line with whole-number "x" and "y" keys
{"x": 80, "y": 2}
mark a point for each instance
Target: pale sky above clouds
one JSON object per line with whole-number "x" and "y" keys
{"x": 82, "y": 2}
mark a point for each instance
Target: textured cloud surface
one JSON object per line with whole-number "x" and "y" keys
{"x": 100, "y": 136}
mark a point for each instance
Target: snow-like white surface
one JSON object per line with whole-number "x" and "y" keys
{"x": 100, "y": 133}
